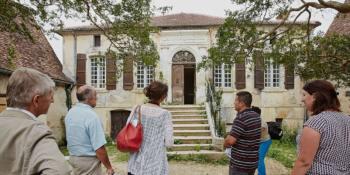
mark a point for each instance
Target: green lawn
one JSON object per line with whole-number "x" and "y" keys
{"x": 283, "y": 152}
{"x": 113, "y": 153}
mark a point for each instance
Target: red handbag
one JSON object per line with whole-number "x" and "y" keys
{"x": 129, "y": 139}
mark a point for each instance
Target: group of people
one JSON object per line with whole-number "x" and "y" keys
{"x": 28, "y": 146}
{"x": 324, "y": 144}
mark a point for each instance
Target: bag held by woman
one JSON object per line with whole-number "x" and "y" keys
{"x": 129, "y": 139}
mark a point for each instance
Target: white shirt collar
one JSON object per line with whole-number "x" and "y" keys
{"x": 22, "y": 110}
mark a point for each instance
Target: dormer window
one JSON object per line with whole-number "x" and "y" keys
{"x": 97, "y": 40}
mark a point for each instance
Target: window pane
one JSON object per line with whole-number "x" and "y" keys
{"x": 98, "y": 72}
{"x": 227, "y": 76}
{"x": 272, "y": 74}
{"x": 217, "y": 76}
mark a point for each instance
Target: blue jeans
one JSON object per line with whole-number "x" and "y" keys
{"x": 263, "y": 148}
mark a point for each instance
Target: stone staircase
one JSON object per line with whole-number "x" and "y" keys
{"x": 191, "y": 131}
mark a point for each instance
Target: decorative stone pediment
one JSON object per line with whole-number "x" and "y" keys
{"x": 184, "y": 57}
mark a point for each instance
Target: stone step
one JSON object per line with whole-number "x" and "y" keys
{"x": 191, "y": 126}
{"x": 190, "y": 147}
{"x": 191, "y": 132}
{"x": 211, "y": 154}
{"x": 197, "y": 116}
{"x": 192, "y": 140}
{"x": 190, "y": 121}
{"x": 188, "y": 112}
{"x": 182, "y": 107}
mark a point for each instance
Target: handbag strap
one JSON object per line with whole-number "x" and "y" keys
{"x": 139, "y": 113}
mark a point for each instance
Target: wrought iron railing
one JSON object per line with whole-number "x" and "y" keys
{"x": 214, "y": 99}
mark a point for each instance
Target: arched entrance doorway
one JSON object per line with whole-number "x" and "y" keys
{"x": 183, "y": 78}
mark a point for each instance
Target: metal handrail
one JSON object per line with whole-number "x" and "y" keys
{"x": 215, "y": 109}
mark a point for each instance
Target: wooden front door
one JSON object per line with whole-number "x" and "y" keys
{"x": 118, "y": 119}
{"x": 178, "y": 83}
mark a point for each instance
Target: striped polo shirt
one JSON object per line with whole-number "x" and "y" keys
{"x": 246, "y": 129}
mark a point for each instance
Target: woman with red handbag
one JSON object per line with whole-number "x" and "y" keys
{"x": 151, "y": 159}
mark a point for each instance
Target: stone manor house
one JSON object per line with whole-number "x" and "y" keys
{"x": 182, "y": 41}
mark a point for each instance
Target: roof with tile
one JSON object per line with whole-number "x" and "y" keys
{"x": 182, "y": 20}
{"x": 340, "y": 24}
{"x": 36, "y": 54}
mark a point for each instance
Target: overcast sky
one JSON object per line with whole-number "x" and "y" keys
{"x": 207, "y": 7}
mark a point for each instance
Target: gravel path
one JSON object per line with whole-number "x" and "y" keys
{"x": 190, "y": 168}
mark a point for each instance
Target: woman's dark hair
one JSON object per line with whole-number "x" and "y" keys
{"x": 324, "y": 94}
{"x": 156, "y": 90}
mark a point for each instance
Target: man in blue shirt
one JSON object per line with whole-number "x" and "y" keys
{"x": 85, "y": 135}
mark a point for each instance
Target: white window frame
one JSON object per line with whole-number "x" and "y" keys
{"x": 144, "y": 75}
{"x": 272, "y": 74}
{"x": 223, "y": 75}
{"x": 100, "y": 72}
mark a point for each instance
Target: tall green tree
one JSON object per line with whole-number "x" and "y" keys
{"x": 126, "y": 23}
{"x": 287, "y": 42}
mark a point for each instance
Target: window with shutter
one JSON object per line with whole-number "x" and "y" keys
{"x": 258, "y": 70}
{"x": 81, "y": 70}
{"x": 289, "y": 77}
{"x": 128, "y": 76}
{"x": 111, "y": 71}
{"x": 240, "y": 75}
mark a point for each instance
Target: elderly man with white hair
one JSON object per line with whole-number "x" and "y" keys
{"x": 27, "y": 145}
{"x": 85, "y": 136}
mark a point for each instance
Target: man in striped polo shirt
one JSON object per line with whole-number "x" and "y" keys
{"x": 244, "y": 137}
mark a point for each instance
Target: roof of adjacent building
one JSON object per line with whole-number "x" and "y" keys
{"x": 183, "y": 20}
{"x": 38, "y": 55}
{"x": 186, "y": 19}
{"x": 340, "y": 24}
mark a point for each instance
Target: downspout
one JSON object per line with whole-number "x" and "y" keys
{"x": 68, "y": 88}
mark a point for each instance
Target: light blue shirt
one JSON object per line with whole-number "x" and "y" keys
{"x": 84, "y": 131}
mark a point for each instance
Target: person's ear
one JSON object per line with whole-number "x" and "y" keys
{"x": 35, "y": 101}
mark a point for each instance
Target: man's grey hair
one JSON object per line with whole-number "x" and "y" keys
{"x": 85, "y": 92}
{"x": 24, "y": 84}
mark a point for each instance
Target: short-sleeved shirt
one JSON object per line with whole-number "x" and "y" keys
{"x": 84, "y": 131}
{"x": 333, "y": 154}
{"x": 246, "y": 129}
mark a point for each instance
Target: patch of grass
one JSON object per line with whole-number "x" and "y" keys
{"x": 177, "y": 142}
{"x": 64, "y": 150}
{"x": 284, "y": 150}
{"x": 197, "y": 147}
{"x": 113, "y": 153}
{"x": 116, "y": 155}
{"x": 202, "y": 159}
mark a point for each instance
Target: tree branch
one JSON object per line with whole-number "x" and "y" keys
{"x": 341, "y": 7}
{"x": 88, "y": 13}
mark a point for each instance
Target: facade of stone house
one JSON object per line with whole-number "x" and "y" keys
{"x": 182, "y": 41}
{"x": 17, "y": 51}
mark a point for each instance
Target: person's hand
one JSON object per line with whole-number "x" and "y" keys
{"x": 110, "y": 171}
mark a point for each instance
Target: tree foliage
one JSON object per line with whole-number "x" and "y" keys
{"x": 126, "y": 23}
{"x": 288, "y": 41}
